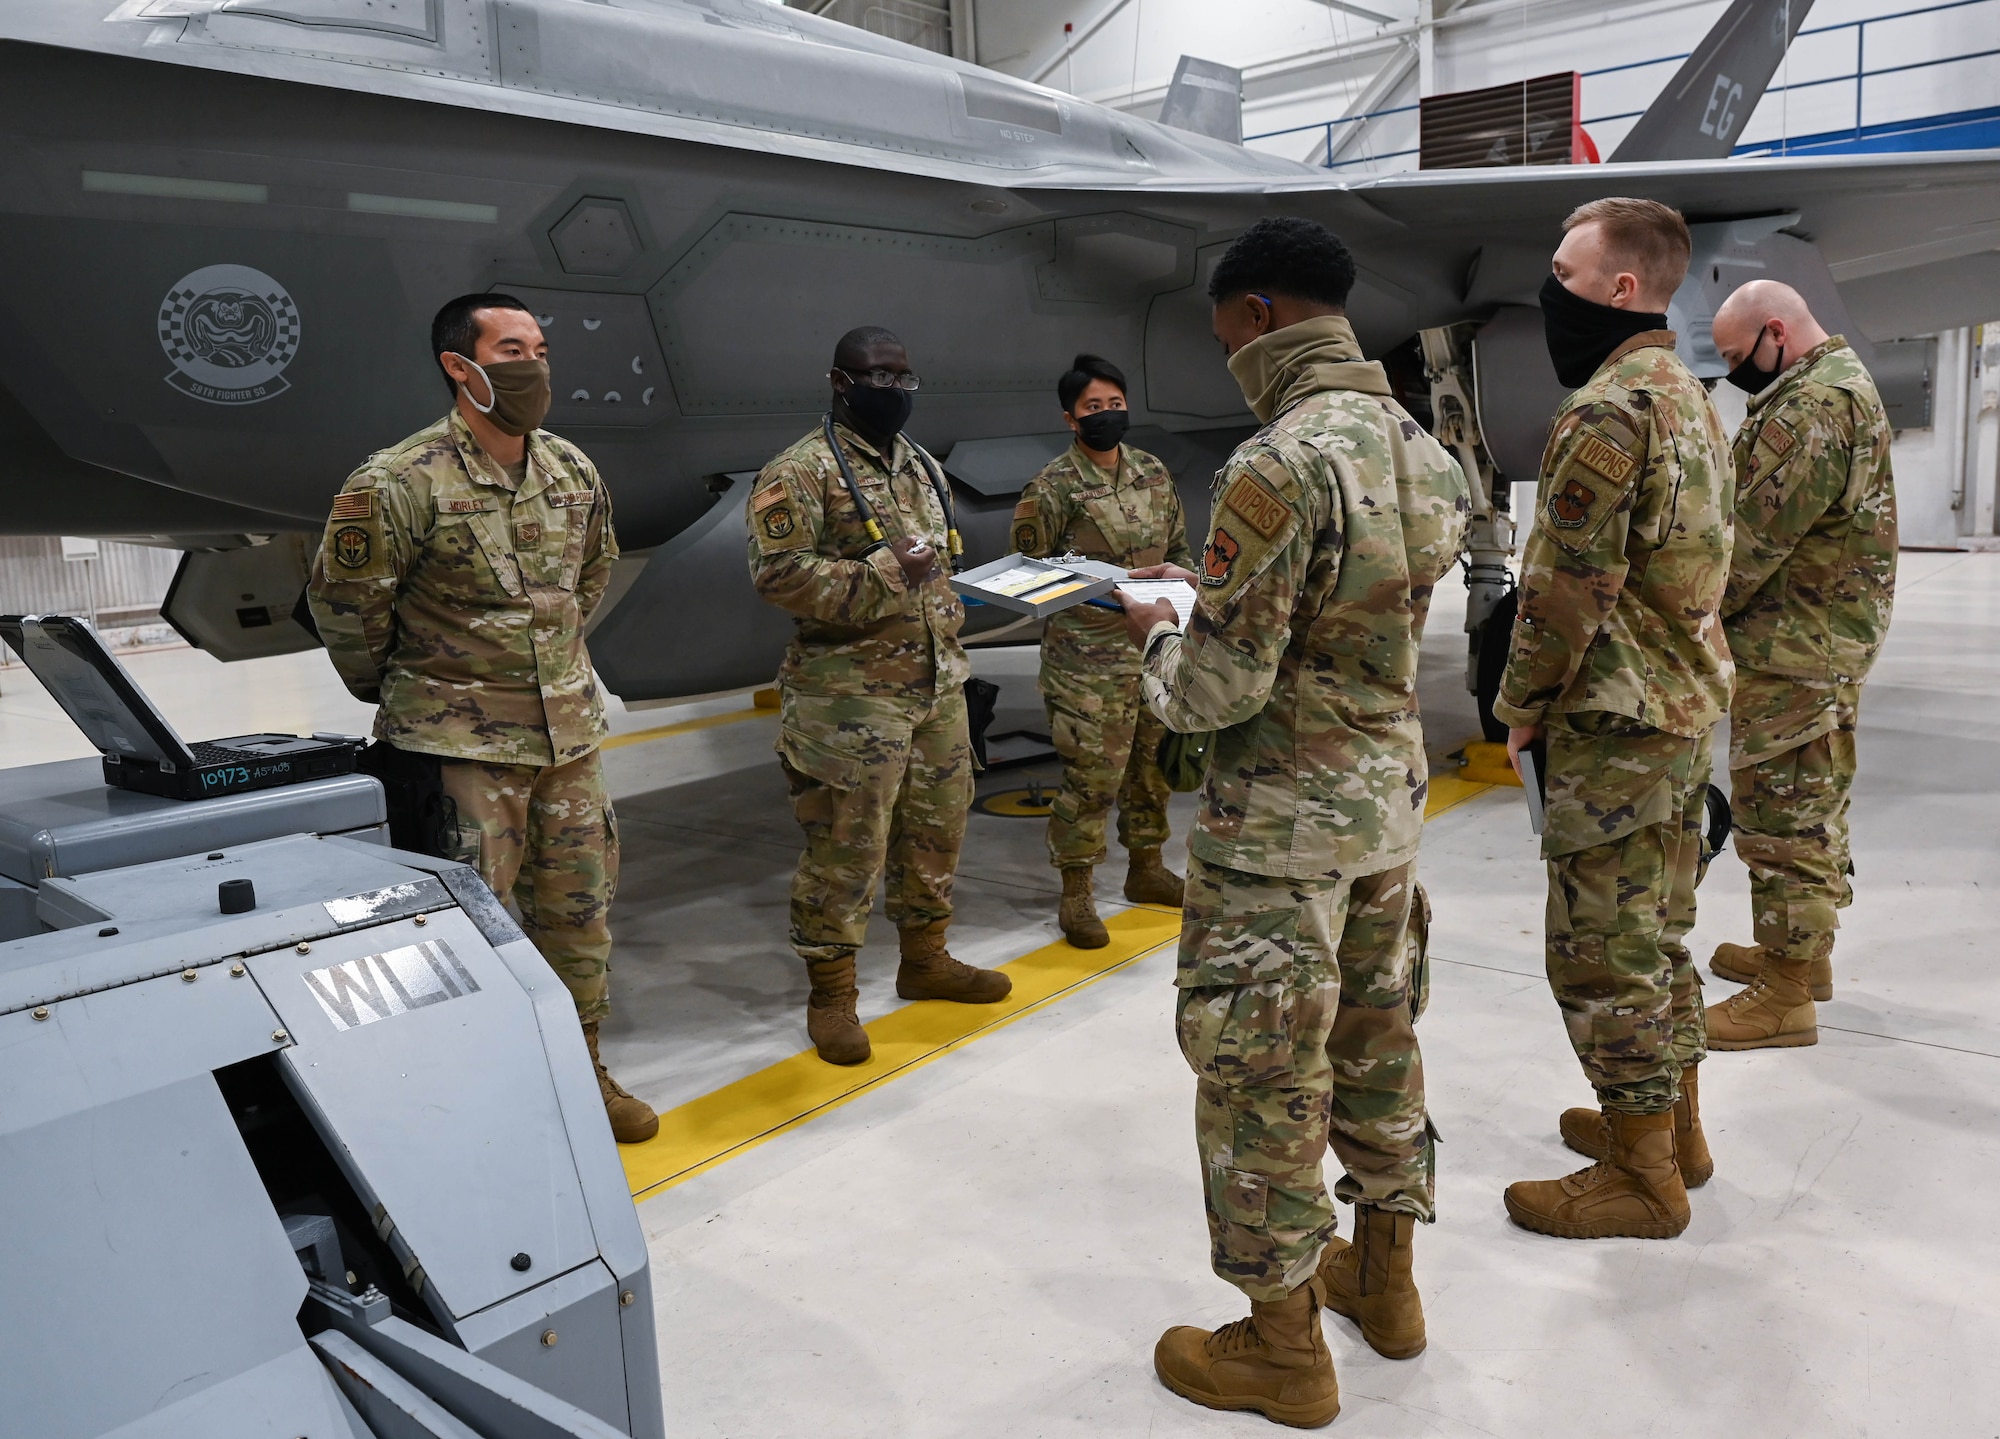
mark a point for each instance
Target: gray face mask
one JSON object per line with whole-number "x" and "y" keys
{"x": 518, "y": 394}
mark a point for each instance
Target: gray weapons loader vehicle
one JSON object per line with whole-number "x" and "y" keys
{"x": 224, "y": 225}
{"x": 299, "y": 1138}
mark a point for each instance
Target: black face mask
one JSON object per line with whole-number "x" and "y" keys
{"x": 878, "y": 414}
{"x": 1752, "y": 378}
{"x": 1103, "y": 430}
{"x": 1582, "y": 333}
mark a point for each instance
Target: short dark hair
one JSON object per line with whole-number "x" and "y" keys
{"x": 455, "y": 328}
{"x": 1082, "y": 370}
{"x": 849, "y": 349}
{"x": 1286, "y": 255}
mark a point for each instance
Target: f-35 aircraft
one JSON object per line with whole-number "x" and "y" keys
{"x": 224, "y": 225}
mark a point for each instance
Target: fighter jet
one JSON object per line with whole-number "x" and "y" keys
{"x": 224, "y": 226}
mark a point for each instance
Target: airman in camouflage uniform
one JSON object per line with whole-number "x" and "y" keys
{"x": 1811, "y": 581}
{"x": 451, "y": 591}
{"x": 1127, "y": 516}
{"x": 1332, "y": 524}
{"x": 872, "y": 722}
{"x": 1618, "y": 658}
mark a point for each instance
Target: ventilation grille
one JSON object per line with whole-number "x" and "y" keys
{"x": 1530, "y": 122}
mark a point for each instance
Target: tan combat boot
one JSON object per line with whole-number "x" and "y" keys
{"x": 1275, "y": 1362}
{"x": 1742, "y": 963}
{"x": 632, "y": 1120}
{"x": 1634, "y": 1191}
{"x": 1584, "y": 1131}
{"x": 1370, "y": 1282}
{"x": 832, "y": 1022}
{"x": 1147, "y": 881}
{"x": 1078, "y": 912}
{"x": 929, "y": 972}
{"x": 1774, "y": 1013}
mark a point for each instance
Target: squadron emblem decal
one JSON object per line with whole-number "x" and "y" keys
{"x": 230, "y": 332}
{"x": 350, "y": 546}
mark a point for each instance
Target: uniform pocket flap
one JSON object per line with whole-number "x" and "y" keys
{"x": 1238, "y": 949}
{"x": 813, "y": 757}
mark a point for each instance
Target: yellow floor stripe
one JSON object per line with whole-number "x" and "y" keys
{"x": 1448, "y": 791}
{"x": 722, "y": 1124}
{"x": 703, "y": 1132}
{"x": 640, "y": 736}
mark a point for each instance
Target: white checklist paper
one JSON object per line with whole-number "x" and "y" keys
{"x": 1178, "y": 593}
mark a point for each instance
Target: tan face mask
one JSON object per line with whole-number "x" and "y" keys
{"x": 1255, "y": 369}
{"x": 518, "y": 394}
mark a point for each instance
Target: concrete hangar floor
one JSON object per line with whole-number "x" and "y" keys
{"x": 983, "y": 1231}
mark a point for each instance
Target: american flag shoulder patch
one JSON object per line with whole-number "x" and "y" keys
{"x": 354, "y": 505}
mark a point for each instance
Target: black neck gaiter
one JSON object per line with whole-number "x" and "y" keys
{"x": 1582, "y": 333}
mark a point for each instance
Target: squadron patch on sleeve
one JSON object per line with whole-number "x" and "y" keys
{"x": 353, "y": 505}
{"x": 777, "y": 521}
{"x": 1026, "y": 538}
{"x": 351, "y": 546}
{"x": 1220, "y": 557}
{"x": 1570, "y": 506}
{"x": 1590, "y": 482}
{"x": 1777, "y": 439}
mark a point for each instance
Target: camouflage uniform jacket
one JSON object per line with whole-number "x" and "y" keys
{"x": 458, "y": 602}
{"x": 1332, "y": 526}
{"x": 1622, "y": 575}
{"x": 862, "y": 628}
{"x": 1128, "y": 518}
{"x": 1813, "y": 572}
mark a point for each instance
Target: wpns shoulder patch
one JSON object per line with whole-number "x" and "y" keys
{"x": 1599, "y": 454}
{"x": 1777, "y": 439}
{"x": 1261, "y": 510}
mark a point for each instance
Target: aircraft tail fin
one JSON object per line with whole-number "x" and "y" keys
{"x": 1702, "y": 110}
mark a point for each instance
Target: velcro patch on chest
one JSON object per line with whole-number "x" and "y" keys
{"x": 528, "y": 532}
{"x": 1597, "y": 453}
{"x": 353, "y": 505}
{"x": 1261, "y": 509}
{"x": 568, "y": 497}
{"x": 1776, "y": 438}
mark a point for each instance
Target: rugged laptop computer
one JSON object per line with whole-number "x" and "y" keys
{"x": 141, "y": 750}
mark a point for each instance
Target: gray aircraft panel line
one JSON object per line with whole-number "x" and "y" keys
{"x": 737, "y": 73}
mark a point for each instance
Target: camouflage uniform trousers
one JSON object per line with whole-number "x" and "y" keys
{"x": 1623, "y": 845}
{"x": 545, "y": 836}
{"x": 880, "y": 785}
{"x": 1295, "y": 1016}
{"x": 1109, "y": 742}
{"x": 1789, "y": 799}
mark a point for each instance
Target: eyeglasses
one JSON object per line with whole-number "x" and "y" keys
{"x": 881, "y": 379}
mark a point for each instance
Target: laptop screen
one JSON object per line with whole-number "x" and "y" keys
{"x": 94, "y": 690}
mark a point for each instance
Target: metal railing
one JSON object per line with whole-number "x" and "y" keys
{"x": 1858, "y": 77}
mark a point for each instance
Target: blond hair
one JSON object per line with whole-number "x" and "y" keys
{"x": 1644, "y": 236}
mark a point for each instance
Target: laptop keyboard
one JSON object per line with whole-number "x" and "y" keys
{"x": 209, "y": 752}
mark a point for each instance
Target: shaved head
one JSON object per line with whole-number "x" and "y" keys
{"x": 1765, "y": 307}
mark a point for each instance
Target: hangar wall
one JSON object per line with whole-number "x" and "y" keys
{"x": 1310, "y": 61}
